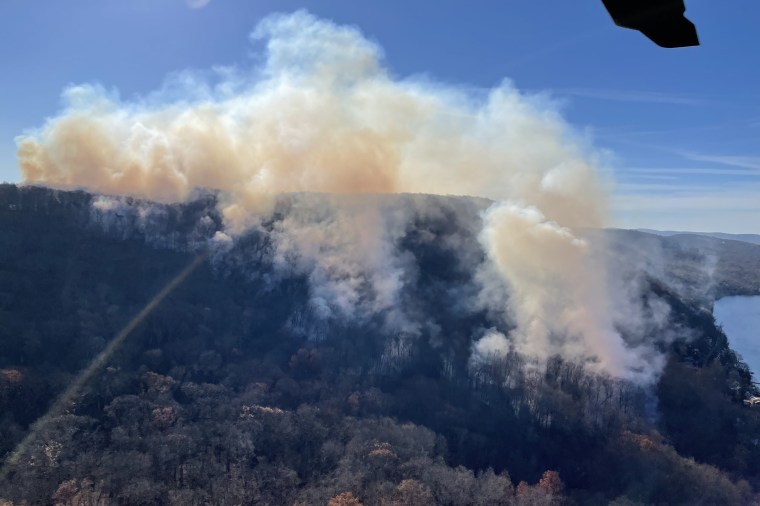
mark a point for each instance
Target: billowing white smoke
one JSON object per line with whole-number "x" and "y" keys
{"x": 347, "y": 250}
{"x": 492, "y": 345}
{"x": 322, "y": 114}
{"x": 560, "y": 295}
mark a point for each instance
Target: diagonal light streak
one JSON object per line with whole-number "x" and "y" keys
{"x": 67, "y": 398}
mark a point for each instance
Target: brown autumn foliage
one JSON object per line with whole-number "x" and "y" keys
{"x": 216, "y": 400}
{"x": 344, "y": 499}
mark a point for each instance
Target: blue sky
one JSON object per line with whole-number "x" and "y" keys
{"x": 682, "y": 126}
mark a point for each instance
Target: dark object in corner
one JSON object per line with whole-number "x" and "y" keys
{"x": 662, "y": 21}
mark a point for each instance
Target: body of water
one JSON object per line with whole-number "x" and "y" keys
{"x": 740, "y": 319}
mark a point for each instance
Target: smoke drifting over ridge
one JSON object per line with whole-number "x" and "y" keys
{"x": 322, "y": 114}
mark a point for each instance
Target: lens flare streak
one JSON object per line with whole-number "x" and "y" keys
{"x": 68, "y": 397}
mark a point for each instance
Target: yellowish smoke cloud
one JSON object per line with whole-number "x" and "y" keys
{"x": 323, "y": 114}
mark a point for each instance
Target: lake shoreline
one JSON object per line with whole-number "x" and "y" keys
{"x": 739, "y": 317}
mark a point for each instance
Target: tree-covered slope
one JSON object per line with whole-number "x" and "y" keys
{"x": 238, "y": 389}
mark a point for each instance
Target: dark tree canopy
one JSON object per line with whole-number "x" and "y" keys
{"x": 232, "y": 393}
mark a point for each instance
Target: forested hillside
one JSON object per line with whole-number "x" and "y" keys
{"x": 249, "y": 385}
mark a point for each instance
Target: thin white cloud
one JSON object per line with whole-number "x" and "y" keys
{"x": 650, "y": 187}
{"x": 729, "y": 206}
{"x": 699, "y": 198}
{"x": 659, "y": 177}
{"x": 743, "y": 161}
{"x": 626, "y": 133}
{"x": 726, "y": 221}
{"x": 671, "y": 172}
{"x": 197, "y": 4}
{"x": 649, "y": 97}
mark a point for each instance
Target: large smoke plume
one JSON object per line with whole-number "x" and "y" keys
{"x": 322, "y": 114}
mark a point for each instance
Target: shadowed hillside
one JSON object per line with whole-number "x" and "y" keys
{"x": 259, "y": 382}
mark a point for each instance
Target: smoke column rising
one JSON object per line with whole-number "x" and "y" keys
{"x": 322, "y": 114}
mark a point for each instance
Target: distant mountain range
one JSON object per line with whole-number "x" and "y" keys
{"x": 751, "y": 238}
{"x": 702, "y": 267}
